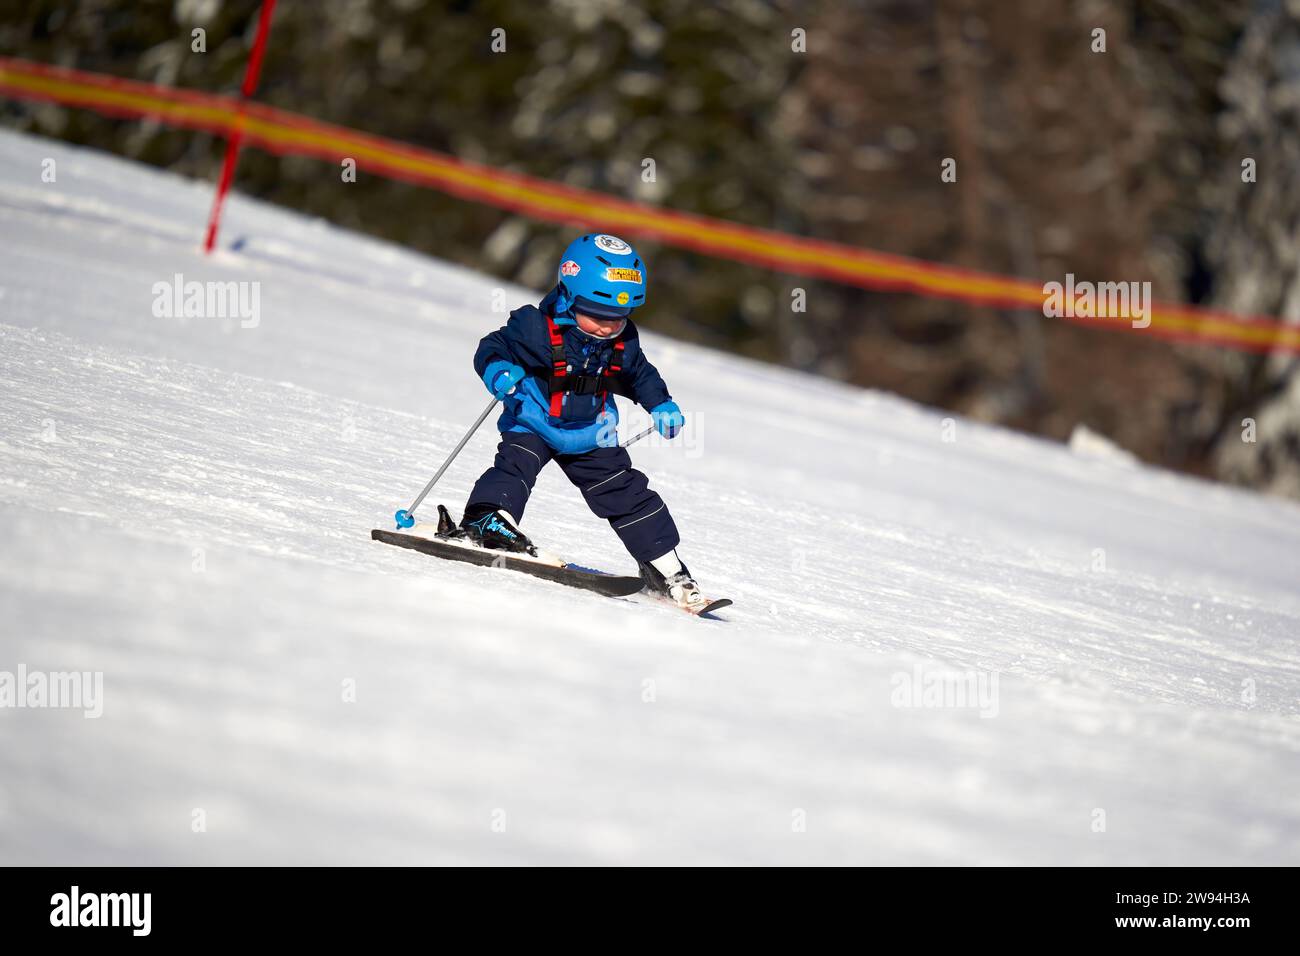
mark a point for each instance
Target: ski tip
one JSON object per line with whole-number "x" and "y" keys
{"x": 718, "y": 605}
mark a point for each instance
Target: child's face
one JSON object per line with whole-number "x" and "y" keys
{"x": 604, "y": 328}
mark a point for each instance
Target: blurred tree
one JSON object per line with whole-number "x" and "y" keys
{"x": 1114, "y": 165}
{"x": 1254, "y": 248}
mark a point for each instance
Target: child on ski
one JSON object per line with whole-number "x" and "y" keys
{"x": 556, "y": 368}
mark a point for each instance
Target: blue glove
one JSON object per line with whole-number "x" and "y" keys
{"x": 668, "y": 418}
{"x": 501, "y": 378}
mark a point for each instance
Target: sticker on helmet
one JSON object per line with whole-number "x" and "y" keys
{"x": 623, "y": 275}
{"x": 622, "y": 298}
{"x": 613, "y": 244}
{"x": 569, "y": 268}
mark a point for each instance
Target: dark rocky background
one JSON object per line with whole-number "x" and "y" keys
{"x": 1118, "y": 166}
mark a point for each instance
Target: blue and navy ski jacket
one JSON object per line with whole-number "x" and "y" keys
{"x": 585, "y": 422}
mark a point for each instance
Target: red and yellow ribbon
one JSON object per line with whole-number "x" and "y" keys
{"x": 285, "y": 133}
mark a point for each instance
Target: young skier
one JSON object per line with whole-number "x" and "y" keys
{"x": 556, "y": 368}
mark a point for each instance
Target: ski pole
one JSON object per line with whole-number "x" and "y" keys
{"x": 637, "y": 437}
{"x": 405, "y": 518}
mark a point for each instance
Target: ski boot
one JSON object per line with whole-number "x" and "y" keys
{"x": 678, "y": 587}
{"x": 489, "y": 528}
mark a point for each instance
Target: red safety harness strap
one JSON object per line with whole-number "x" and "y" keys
{"x": 559, "y": 367}
{"x": 614, "y": 368}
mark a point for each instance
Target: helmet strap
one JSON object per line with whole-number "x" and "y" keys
{"x": 563, "y": 302}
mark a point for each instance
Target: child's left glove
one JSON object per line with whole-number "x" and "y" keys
{"x": 668, "y": 418}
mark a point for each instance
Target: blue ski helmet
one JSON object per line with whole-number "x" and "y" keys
{"x": 602, "y": 276}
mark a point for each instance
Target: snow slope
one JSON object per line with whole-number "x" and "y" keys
{"x": 185, "y": 507}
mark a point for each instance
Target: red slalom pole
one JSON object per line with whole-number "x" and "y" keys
{"x": 252, "y": 74}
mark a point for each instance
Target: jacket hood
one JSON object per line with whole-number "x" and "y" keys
{"x": 548, "y": 304}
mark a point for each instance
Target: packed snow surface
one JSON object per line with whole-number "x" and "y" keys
{"x": 950, "y": 643}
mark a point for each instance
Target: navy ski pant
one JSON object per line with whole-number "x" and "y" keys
{"x": 613, "y": 489}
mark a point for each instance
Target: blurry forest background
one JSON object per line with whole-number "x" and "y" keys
{"x": 1116, "y": 166}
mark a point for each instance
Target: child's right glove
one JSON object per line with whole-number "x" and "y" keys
{"x": 501, "y": 378}
{"x": 668, "y": 418}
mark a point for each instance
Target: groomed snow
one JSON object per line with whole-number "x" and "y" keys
{"x": 185, "y": 508}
